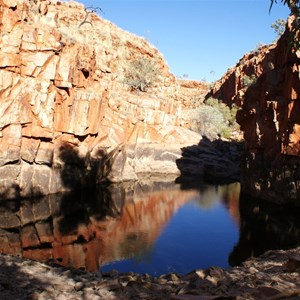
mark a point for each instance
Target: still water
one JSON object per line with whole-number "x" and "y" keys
{"x": 143, "y": 227}
{"x": 200, "y": 233}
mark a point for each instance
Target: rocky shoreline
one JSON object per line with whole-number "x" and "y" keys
{"x": 274, "y": 275}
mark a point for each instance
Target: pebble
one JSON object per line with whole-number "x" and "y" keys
{"x": 79, "y": 286}
{"x": 252, "y": 270}
{"x": 274, "y": 275}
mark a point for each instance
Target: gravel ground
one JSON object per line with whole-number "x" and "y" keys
{"x": 274, "y": 275}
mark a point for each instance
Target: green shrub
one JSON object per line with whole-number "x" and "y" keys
{"x": 279, "y": 27}
{"x": 215, "y": 119}
{"x": 248, "y": 80}
{"x": 141, "y": 74}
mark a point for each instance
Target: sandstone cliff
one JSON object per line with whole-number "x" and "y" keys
{"x": 231, "y": 88}
{"x": 269, "y": 117}
{"x": 65, "y": 112}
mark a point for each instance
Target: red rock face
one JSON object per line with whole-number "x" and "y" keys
{"x": 270, "y": 120}
{"x": 231, "y": 88}
{"x": 63, "y": 103}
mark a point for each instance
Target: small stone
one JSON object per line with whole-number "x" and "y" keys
{"x": 212, "y": 280}
{"x": 194, "y": 275}
{"x": 61, "y": 297}
{"x": 192, "y": 297}
{"x": 64, "y": 287}
{"x": 79, "y": 286}
{"x": 293, "y": 263}
{"x": 252, "y": 270}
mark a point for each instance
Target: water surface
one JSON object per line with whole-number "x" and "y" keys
{"x": 199, "y": 234}
{"x": 145, "y": 227}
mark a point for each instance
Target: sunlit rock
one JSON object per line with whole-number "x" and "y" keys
{"x": 62, "y": 87}
{"x": 266, "y": 85}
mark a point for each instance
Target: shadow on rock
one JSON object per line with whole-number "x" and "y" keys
{"x": 213, "y": 161}
{"x": 15, "y": 283}
{"x": 79, "y": 170}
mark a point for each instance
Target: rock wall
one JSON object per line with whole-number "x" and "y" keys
{"x": 65, "y": 111}
{"x": 231, "y": 88}
{"x": 270, "y": 120}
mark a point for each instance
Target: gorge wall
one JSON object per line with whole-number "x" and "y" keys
{"x": 65, "y": 112}
{"x": 267, "y": 87}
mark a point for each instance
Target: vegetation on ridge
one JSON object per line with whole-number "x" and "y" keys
{"x": 215, "y": 119}
{"x": 141, "y": 74}
{"x": 294, "y": 6}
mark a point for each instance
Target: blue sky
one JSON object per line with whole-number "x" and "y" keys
{"x": 201, "y": 38}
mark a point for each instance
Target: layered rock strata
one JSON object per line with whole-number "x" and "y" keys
{"x": 265, "y": 84}
{"x": 64, "y": 108}
{"x": 231, "y": 88}
{"x": 270, "y": 120}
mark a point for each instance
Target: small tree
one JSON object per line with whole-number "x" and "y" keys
{"x": 141, "y": 74}
{"x": 293, "y": 5}
{"x": 294, "y": 36}
{"x": 248, "y": 80}
{"x": 279, "y": 27}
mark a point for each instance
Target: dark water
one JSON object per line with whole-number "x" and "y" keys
{"x": 144, "y": 227}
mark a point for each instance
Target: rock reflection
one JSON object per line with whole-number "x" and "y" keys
{"x": 87, "y": 229}
{"x": 228, "y": 194}
{"x": 265, "y": 226}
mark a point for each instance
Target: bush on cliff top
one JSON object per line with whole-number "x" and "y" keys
{"x": 141, "y": 74}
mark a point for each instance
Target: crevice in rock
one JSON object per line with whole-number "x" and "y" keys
{"x": 85, "y": 73}
{"x": 13, "y": 230}
{"x": 41, "y": 246}
{"x": 66, "y": 89}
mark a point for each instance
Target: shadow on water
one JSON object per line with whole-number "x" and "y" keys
{"x": 86, "y": 228}
{"x": 48, "y": 228}
{"x": 265, "y": 226}
{"x": 95, "y": 225}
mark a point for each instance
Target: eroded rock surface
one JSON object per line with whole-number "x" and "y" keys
{"x": 231, "y": 88}
{"x": 65, "y": 109}
{"x": 267, "y": 86}
{"x": 270, "y": 121}
{"x": 211, "y": 160}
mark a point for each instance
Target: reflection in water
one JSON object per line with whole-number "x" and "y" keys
{"x": 90, "y": 228}
{"x": 132, "y": 223}
{"x": 265, "y": 226}
{"x": 146, "y": 227}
